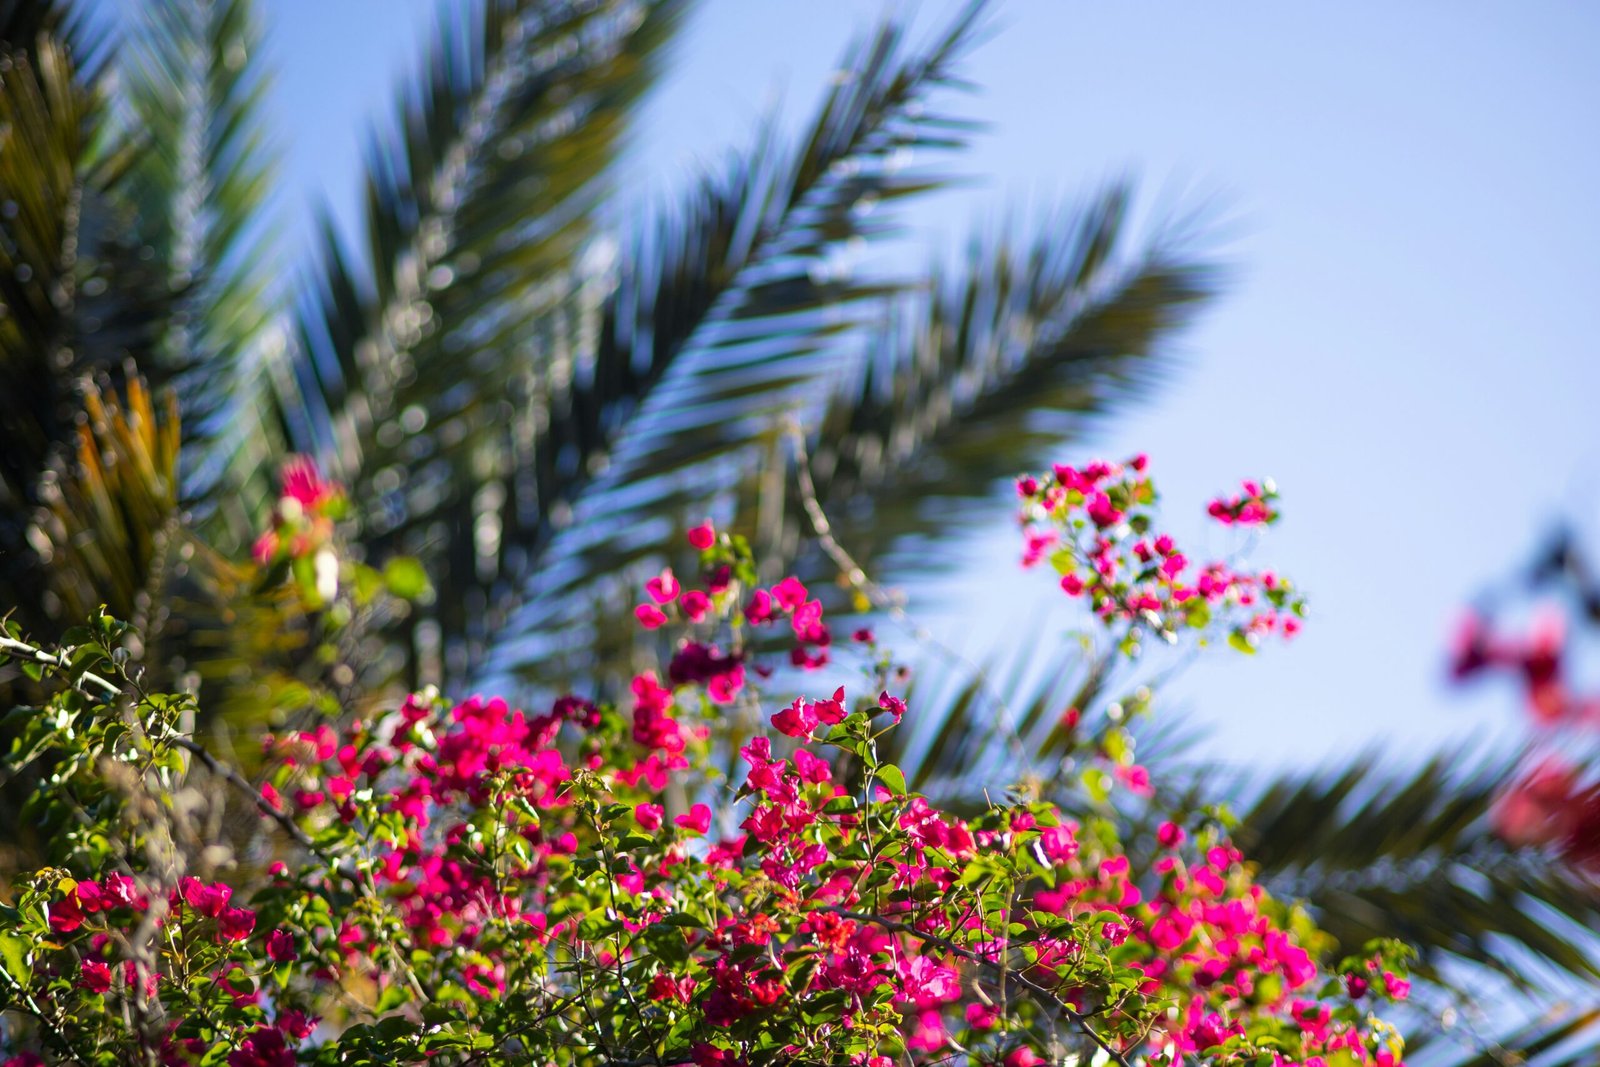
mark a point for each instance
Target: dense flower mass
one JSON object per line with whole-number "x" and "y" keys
{"x": 620, "y": 882}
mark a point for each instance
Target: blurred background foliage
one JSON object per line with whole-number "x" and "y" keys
{"x": 532, "y": 403}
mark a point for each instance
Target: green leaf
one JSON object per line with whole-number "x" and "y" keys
{"x": 16, "y": 955}
{"x": 405, "y": 577}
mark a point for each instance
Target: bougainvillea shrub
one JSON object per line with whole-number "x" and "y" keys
{"x": 649, "y": 880}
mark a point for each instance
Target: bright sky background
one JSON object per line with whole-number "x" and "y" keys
{"x": 1410, "y": 346}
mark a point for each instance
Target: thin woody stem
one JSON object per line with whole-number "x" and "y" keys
{"x": 881, "y": 598}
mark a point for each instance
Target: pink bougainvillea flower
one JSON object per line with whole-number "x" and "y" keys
{"x": 789, "y": 593}
{"x": 280, "y": 947}
{"x": 207, "y": 900}
{"x": 120, "y": 891}
{"x": 235, "y": 924}
{"x": 1135, "y": 777}
{"x": 663, "y": 588}
{"x": 648, "y": 816}
{"x": 95, "y": 976}
{"x": 703, "y": 536}
{"x": 650, "y": 617}
{"x": 796, "y": 720}
{"x": 893, "y": 705}
{"x": 698, "y": 819}
{"x": 831, "y": 711}
{"x": 264, "y": 1047}
{"x": 1060, "y": 843}
{"x": 694, "y": 605}
{"x": 810, "y": 768}
{"x": 1540, "y": 808}
{"x": 303, "y": 483}
{"x": 664, "y": 987}
{"x": 759, "y": 610}
{"x": 1398, "y": 988}
{"x": 265, "y": 548}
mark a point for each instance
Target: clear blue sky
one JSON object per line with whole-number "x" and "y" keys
{"x": 1411, "y": 346}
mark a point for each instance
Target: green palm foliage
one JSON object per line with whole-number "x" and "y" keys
{"x": 532, "y": 391}
{"x": 1411, "y": 852}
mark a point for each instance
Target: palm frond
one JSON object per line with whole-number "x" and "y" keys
{"x": 998, "y": 365}
{"x": 23, "y": 23}
{"x": 720, "y": 319}
{"x": 475, "y": 209}
{"x": 419, "y": 377}
{"x": 107, "y": 528}
{"x": 1377, "y": 852}
{"x": 1566, "y": 1036}
{"x": 192, "y": 106}
{"x": 44, "y": 117}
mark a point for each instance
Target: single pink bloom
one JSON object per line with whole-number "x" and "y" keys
{"x": 797, "y": 720}
{"x": 280, "y": 947}
{"x": 789, "y": 593}
{"x": 235, "y": 924}
{"x": 265, "y": 548}
{"x": 95, "y": 976}
{"x": 695, "y": 604}
{"x": 663, "y": 588}
{"x": 208, "y": 900}
{"x": 648, "y": 816}
{"x": 302, "y": 482}
{"x": 698, "y": 819}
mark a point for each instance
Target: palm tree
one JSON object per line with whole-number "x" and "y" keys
{"x": 497, "y": 394}
{"x": 530, "y": 400}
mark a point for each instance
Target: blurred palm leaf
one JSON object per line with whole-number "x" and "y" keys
{"x": 103, "y": 534}
{"x": 48, "y": 160}
{"x": 975, "y": 377}
{"x": 191, "y": 100}
{"x": 23, "y": 23}
{"x": 1002, "y": 362}
{"x": 121, "y": 245}
{"x": 1410, "y": 854}
{"x": 423, "y": 381}
{"x": 1561, "y": 1037}
{"x": 720, "y": 318}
